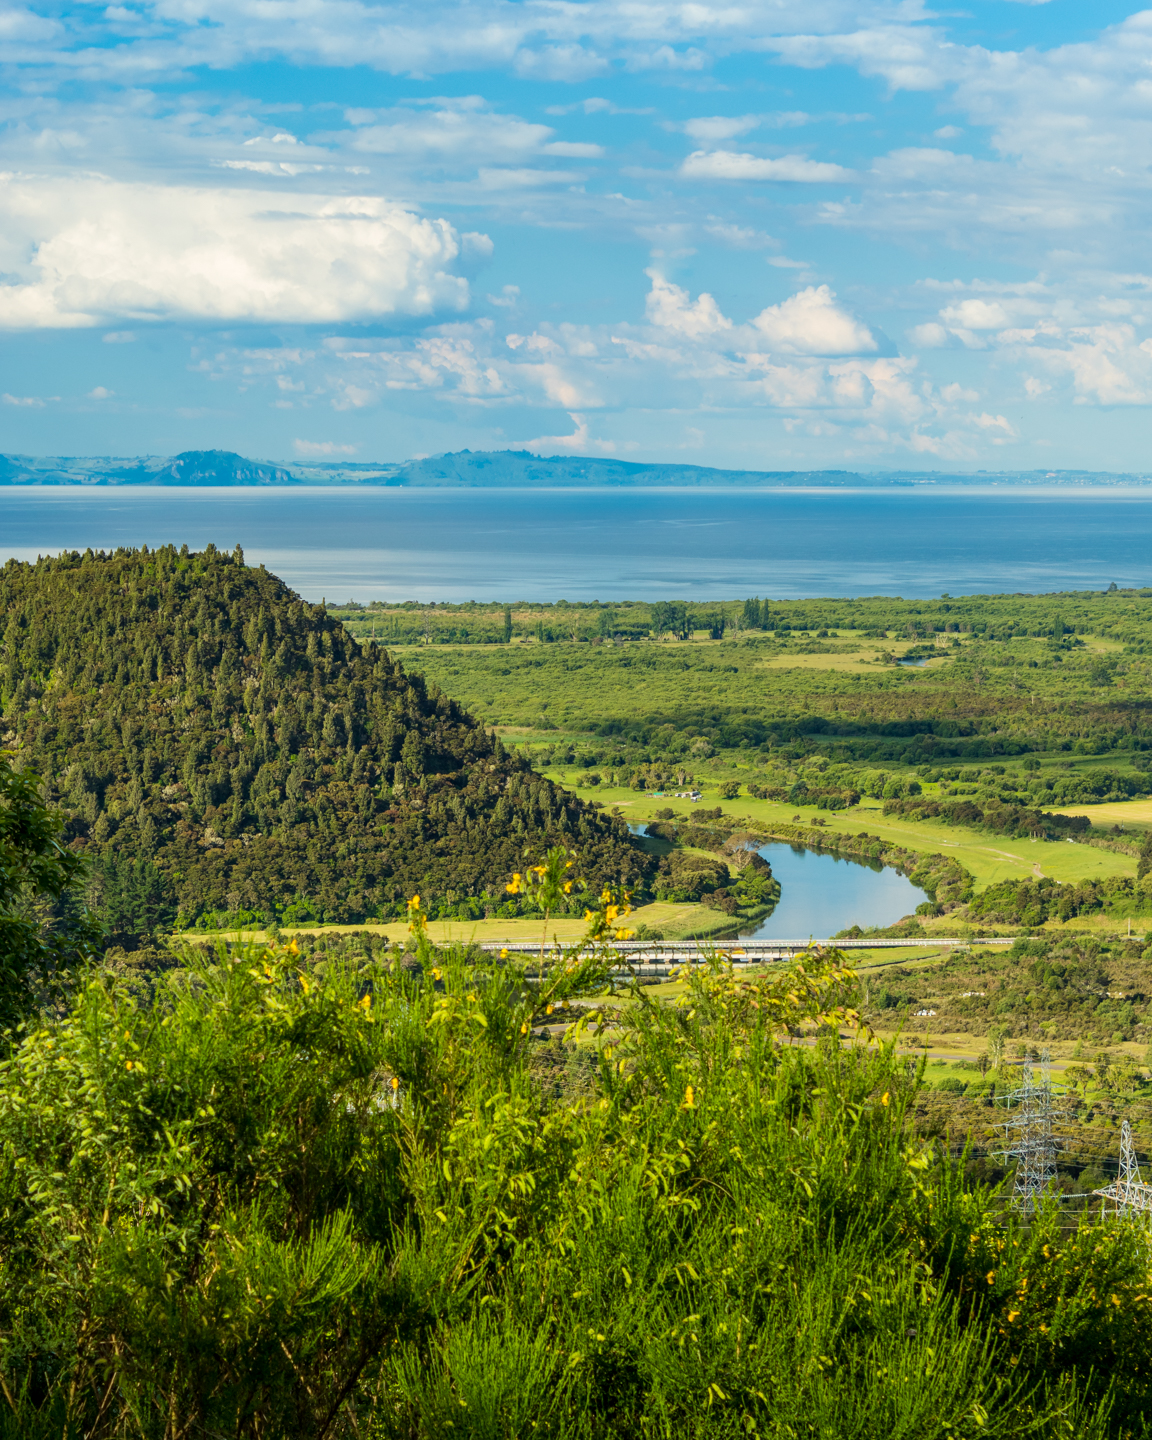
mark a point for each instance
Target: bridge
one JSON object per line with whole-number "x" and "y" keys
{"x": 658, "y": 958}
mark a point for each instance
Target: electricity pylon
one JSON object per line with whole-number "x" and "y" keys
{"x": 1030, "y": 1129}
{"x": 1129, "y": 1194}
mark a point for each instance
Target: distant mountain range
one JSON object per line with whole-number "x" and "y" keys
{"x": 493, "y": 469}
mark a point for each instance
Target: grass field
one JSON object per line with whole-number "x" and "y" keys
{"x": 673, "y": 921}
{"x": 1132, "y": 814}
{"x": 990, "y": 858}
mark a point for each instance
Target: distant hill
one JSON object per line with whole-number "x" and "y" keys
{"x": 495, "y": 469}
{"x": 223, "y": 746}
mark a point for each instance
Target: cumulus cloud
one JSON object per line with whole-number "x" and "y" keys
{"x": 732, "y": 165}
{"x": 670, "y": 307}
{"x": 812, "y": 323}
{"x": 976, "y": 314}
{"x": 102, "y": 249}
{"x": 580, "y": 442}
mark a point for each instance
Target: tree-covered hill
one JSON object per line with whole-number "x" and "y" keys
{"x": 221, "y": 745}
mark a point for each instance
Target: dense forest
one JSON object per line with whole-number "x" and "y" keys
{"x": 223, "y": 748}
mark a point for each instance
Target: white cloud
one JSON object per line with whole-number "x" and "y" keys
{"x": 560, "y": 62}
{"x": 459, "y": 131}
{"x": 574, "y": 150}
{"x": 321, "y": 449}
{"x": 103, "y": 249}
{"x": 743, "y": 237}
{"x": 976, "y": 315}
{"x": 100, "y": 393}
{"x": 524, "y": 179}
{"x": 812, "y": 323}
{"x": 731, "y": 165}
{"x": 670, "y": 307}
{"x": 707, "y": 129}
{"x": 580, "y": 442}
{"x": 1104, "y": 362}
{"x": 993, "y": 422}
{"x": 30, "y": 401}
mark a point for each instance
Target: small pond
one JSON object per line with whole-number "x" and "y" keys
{"x": 821, "y": 894}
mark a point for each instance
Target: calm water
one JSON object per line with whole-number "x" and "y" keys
{"x": 821, "y": 894}
{"x": 398, "y": 544}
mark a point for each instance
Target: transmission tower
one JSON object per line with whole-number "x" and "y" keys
{"x": 1130, "y": 1195}
{"x": 1029, "y": 1129}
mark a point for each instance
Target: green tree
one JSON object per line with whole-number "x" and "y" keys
{"x": 42, "y": 931}
{"x": 507, "y": 625}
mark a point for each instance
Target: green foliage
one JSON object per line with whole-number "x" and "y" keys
{"x": 1033, "y": 901}
{"x": 1018, "y": 677}
{"x": 43, "y": 934}
{"x": 193, "y": 715}
{"x": 1060, "y": 986}
{"x": 272, "y": 1200}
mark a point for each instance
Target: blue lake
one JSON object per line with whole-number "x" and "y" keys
{"x": 821, "y": 894}
{"x": 398, "y": 544}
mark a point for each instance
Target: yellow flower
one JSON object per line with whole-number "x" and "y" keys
{"x": 884, "y": 1098}
{"x": 991, "y": 1276}
{"x": 539, "y": 869}
{"x": 504, "y": 953}
{"x": 395, "y": 1083}
{"x": 1012, "y": 1314}
{"x": 548, "y": 1009}
{"x": 568, "y": 885}
{"x": 515, "y": 884}
{"x": 524, "y": 1029}
{"x": 293, "y": 949}
{"x": 689, "y": 1099}
{"x": 414, "y": 903}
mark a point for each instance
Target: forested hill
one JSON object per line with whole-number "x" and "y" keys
{"x": 240, "y": 748}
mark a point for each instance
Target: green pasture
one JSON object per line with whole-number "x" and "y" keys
{"x": 990, "y": 858}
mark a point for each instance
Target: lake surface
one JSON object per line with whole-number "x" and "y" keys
{"x": 400, "y": 544}
{"x": 821, "y": 894}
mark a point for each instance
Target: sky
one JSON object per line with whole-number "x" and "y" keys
{"x": 860, "y": 234}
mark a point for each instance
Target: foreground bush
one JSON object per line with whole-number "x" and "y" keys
{"x": 271, "y": 1203}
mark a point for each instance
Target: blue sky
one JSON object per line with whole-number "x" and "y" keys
{"x": 848, "y": 233}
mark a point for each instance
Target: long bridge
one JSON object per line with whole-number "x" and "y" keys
{"x": 648, "y": 958}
